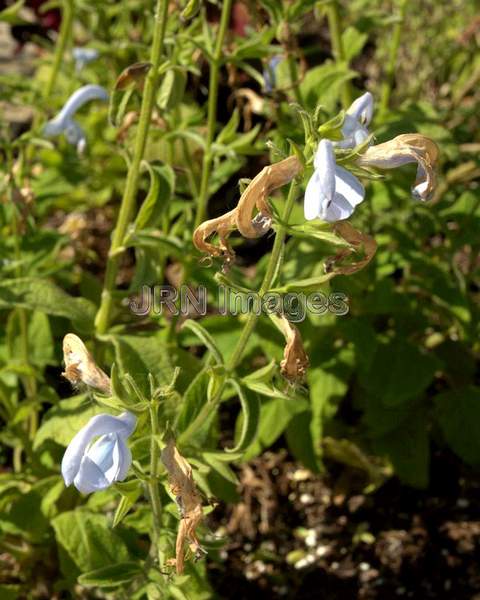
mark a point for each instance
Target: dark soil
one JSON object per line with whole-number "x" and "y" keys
{"x": 295, "y": 535}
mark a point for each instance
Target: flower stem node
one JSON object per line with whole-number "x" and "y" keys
{"x": 332, "y": 193}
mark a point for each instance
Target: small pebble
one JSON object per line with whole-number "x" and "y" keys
{"x": 307, "y": 499}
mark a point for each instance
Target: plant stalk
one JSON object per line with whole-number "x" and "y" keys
{"x": 333, "y": 16}
{"x": 62, "y": 42}
{"x": 392, "y": 58}
{"x": 153, "y": 492}
{"x": 104, "y": 314}
{"x": 252, "y": 318}
{"x": 212, "y": 112}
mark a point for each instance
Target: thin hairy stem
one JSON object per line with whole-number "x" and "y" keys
{"x": 334, "y": 26}
{"x": 392, "y": 58}
{"x": 153, "y": 492}
{"x": 212, "y": 112}
{"x": 61, "y": 45}
{"x": 104, "y": 315}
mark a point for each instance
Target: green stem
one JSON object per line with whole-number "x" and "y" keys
{"x": 251, "y": 321}
{"x": 293, "y": 72}
{"x": 153, "y": 492}
{"x": 29, "y": 382}
{"x": 338, "y": 50}
{"x": 212, "y": 112}
{"x": 392, "y": 58}
{"x": 103, "y": 318}
{"x": 63, "y": 39}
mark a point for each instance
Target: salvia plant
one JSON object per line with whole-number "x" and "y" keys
{"x": 214, "y": 240}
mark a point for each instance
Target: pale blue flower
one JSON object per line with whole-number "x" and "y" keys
{"x": 269, "y": 73}
{"x": 64, "y": 123}
{"x": 94, "y": 465}
{"x": 332, "y": 192}
{"x": 357, "y": 118}
{"x": 82, "y": 56}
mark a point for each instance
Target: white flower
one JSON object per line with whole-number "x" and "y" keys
{"x": 95, "y": 466}
{"x": 357, "y": 118}
{"x": 332, "y": 192}
{"x": 82, "y": 56}
{"x": 64, "y": 123}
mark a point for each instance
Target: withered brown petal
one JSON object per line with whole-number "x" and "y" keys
{"x": 404, "y": 149}
{"x": 80, "y": 366}
{"x": 188, "y": 500}
{"x": 241, "y": 217}
{"x": 358, "y": 241}
{"x": 133, "y": 75}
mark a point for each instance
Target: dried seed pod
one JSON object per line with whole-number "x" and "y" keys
{"x": 188, "y": 501}
{"x": 295, "y": 360}
{"x": 242, "y": 218}
{"x": 80, "y": 366}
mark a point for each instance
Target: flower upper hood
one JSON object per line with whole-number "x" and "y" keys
{"x": 95, "y": 466}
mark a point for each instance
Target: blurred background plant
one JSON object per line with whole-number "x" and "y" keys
{"x": 389, "y": 415}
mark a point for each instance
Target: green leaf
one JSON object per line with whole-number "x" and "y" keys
{"x": 275, "y": 415}
{"x": 46, "y": 297}
{"x": 304, "y": 285}
{"x": 250, "y": 417}
{"x": 353, "y": 42}
{"x": 65, "y": 419}
{"x": 143, "y": 354}
{"x": 399, "y": 372}
{"x": 87, "y": 542}
{"x": 458, "y": 413}
{"x": 328, "y": 386}
{"x": 130, "y": 491}
{"x": 7, "y": 591}
{"x": 118, "y": 103}
{"x": 228, "y": 133}
{"x": 172, "y": 89}
{"x": 204, "y": 337}
{"x": 10, "y": 14}
{"x": 111, "y": 576}
{"x": 322, "y": 84}
{"x": 162, "y": 185}
{"x": 409, "y": 450}
{"x": 194, "y": 399}
{"x": 300, "y": 441}
{"x": 221, "y": 467}
{"x": 40, "y": 341}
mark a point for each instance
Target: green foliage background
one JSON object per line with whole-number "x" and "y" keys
{"x": 395, "y": 377}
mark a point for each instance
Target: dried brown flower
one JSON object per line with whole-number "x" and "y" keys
{"x": 241, "y": 217}
{"x": 188, "y": 501}
{"x": 80, "y": 366}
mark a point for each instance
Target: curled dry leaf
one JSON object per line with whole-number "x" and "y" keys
{"x": 80, "y": 366}
{"x": 404, "y": 149}
{"x": 252, "y": 102}
{"x": 241, "y": 217}
{"x": 295, "y": 360}
{"x": 358, "y": 241}
{"x": 133, "y": 75}
{"x": 188, "y": 501}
